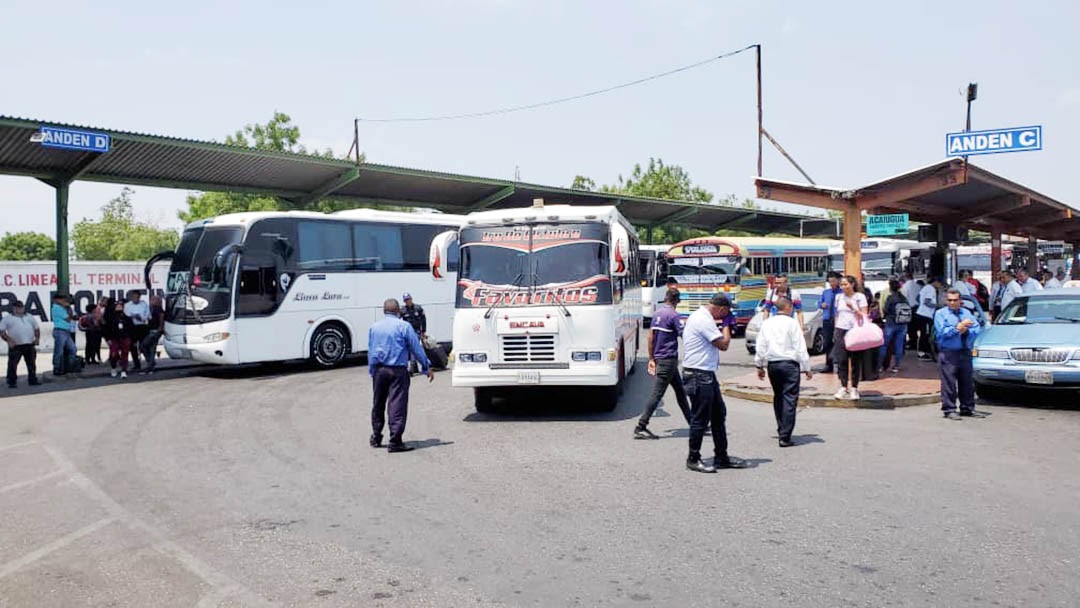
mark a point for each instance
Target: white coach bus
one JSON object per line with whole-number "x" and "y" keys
{"x": 653, "y": 271}
{"x": 275, "y": 286}
{"x": 546, "y": 296}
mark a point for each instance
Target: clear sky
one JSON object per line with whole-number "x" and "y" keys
{"x": 856, "y": 91}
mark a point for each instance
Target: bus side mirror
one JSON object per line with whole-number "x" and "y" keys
{"x": 439, "y": 254}
{"x": 225, "y": 254}
{"x": 620, "y": 251}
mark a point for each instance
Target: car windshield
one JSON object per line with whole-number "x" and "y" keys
{"x": 704, "y": 270}
{"x": 197, "y": 290}
{"x": 1057, "y": 309}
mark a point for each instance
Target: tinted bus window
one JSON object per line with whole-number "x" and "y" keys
{"x": 324, "y": 246}
{"x": 378, "y": 247}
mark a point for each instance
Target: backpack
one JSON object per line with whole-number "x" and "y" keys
{"x": 901, "y": 313}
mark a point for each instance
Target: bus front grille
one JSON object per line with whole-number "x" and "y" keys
{"x": 528, "y": 348}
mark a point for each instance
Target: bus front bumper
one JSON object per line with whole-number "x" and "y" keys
{"x": 204, "y": 345}
{"x": 583, "y": 374}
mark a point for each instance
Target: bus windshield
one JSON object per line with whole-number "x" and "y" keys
{"x": 879, "y": 263}
{"x": 534, "y": 265}
{"x": 704, "y": 270}
{"x": 647, "y": 268}
{"x": 198, "y": 291}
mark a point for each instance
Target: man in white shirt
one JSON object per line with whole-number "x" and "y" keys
{"x": 924, "y": 315}
{"x": 139, "y": 312}
{"x": 1056, "y": 281}
{"x": 780, "y": 289}
{"x": 22, "y": 333}
{"x": 782, "y": 348}
{"x": 702, "y": 343}
{"x": 1027, "y": 284}
{"x": 910, "y": 289}
{"x": 1012, "y": 288}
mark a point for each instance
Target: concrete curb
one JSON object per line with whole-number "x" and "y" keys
{"x": 810, "y": 398}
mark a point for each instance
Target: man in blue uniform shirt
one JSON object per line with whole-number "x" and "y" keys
{"x": 956, "y": 329}
{"x": 664, "y": 363}
{"x": 390, "y": 342}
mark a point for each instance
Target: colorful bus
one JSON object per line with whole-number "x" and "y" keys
{"x": 743, "y": 268}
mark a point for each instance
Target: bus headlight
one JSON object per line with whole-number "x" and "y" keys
{"x": 220, "y": 336}
{"x": 472, "y": 357}
{"x": 586, "y": 355}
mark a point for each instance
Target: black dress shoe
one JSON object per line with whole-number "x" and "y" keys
{"x": 699, "y": 467}
{"x": 786, "y": 443}
{"x": 399, "y": 447}
{"x": 952, "y": 416}
{"x": 973, "y": 414}
{"x": 729, "y": 463}
{"x": 375, "y": 441}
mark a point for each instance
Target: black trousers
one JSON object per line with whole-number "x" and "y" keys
{"x": 784, "y": 377}
{"x": 93, "y": 346}
{"x": 139, "y": 333}
{"x": 391, "y": 396}
{"x": 706, "y": 409}
{"x": 667, "y": 372}
{"x": 841, "y": 356}
{"x": 923, "y": 325}
{"x": 22, "y": 351}
{"x": 957, "y": 379}
{"x": 828, "y": 326}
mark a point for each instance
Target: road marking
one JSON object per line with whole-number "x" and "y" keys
{"x": 55, "y": 545}
{"x": 30, "y": 482}
{"x": 211, "y": 576}
{"x": 17, "y": 445}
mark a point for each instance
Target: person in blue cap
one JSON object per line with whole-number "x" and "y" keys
{"x": 413, "y": 314}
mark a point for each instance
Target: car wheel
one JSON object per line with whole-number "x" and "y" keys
{"x": 329, "y": 345}
{"x": 817, "y": 345}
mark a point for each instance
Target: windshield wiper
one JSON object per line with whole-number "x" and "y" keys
{"x": 536, "y": 279}
{"x": 1069, "y": 319}
{"x": 515, "y": 284}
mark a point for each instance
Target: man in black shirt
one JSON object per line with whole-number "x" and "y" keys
{"x": 413, "y": 314}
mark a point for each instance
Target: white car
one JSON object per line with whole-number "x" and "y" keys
{"x": 814, "y": 335}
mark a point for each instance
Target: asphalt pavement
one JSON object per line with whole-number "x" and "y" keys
{"x": 256, "y": 486}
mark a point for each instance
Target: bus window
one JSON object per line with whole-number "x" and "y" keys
{"x": 258, "y": 292}
{"x": 378, "y": 247}
{"x": 324, "y": 246}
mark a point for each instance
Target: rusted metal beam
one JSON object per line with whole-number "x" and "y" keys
{"x": 888, "y": 195}
{"x": 793, "y": 194}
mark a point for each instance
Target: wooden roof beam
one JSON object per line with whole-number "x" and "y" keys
{"x": 887, "y": 195}
{"x": 800, "y": 196}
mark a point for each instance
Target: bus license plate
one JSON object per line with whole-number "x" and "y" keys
{"x": 1038, "y": 376}
{"x": 529, "y": 377}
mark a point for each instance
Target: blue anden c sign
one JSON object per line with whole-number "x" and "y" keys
{"x": 994, "y": 141}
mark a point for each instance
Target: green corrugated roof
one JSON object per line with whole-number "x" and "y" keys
{"x": 172, "y": 162}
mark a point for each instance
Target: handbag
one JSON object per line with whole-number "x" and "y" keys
{"x": 863, "y": 336}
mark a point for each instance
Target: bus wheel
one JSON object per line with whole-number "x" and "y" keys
{"x": 482, "y": 399}
{"x": 610, "y": 399}
{"x": 329, "y": 345}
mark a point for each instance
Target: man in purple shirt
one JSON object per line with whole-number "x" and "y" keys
{"x": 664, "y": 363}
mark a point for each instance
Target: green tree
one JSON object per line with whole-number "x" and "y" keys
{"x": 27, "y": 247}
{"x": 583, "y": 183}
{"x": 118, "y": 235}
{"x": 277, "y": 135}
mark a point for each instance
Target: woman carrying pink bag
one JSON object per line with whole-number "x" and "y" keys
{"x": 852, "y": 315}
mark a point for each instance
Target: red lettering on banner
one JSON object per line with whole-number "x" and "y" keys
{"x": 8, "y": 281}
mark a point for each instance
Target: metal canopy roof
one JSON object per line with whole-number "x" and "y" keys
{"x": 169, "y": 162}
{"x": 951, "y": 192}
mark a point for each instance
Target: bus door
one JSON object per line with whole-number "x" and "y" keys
{"x": 260, "y": 289}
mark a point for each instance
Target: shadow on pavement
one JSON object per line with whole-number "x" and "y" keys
{"x": 544, "y": 404}
{"x": 94, "y": 376}
{"x": 429, "y": 443}
{"x": 806, "y": 439}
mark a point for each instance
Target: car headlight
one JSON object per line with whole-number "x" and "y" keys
{"x": 216, "y": 337}
{"x": 990, "y": 353}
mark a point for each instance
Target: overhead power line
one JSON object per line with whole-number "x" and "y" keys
{"x": 551, "y": 102}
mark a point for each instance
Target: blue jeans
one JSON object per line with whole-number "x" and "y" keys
{"x": 895, "y": 334}
{"x": 63, "y": 348}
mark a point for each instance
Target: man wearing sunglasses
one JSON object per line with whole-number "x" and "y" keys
{"x": 955, "y": 328}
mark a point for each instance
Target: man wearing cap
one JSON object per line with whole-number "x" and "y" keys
{"x": 63, "y": 334}
{"x": 413, "y": 314}
{"x": 391, "y": 341}
{"x": 22, "y": 333}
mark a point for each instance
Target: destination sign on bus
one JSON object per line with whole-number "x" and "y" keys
{"x": 703, "y": 249}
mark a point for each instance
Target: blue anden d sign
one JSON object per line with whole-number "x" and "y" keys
{"x": 71, "y": 139}
{"x": 994, "y": 141}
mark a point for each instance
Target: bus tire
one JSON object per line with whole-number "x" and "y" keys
{"x": 610, "y": 398}
{"x": 482, "y": 399}
{"x": 330, "y": 344}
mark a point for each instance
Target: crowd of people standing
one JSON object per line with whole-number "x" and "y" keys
{"x": 130, "y": 327}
